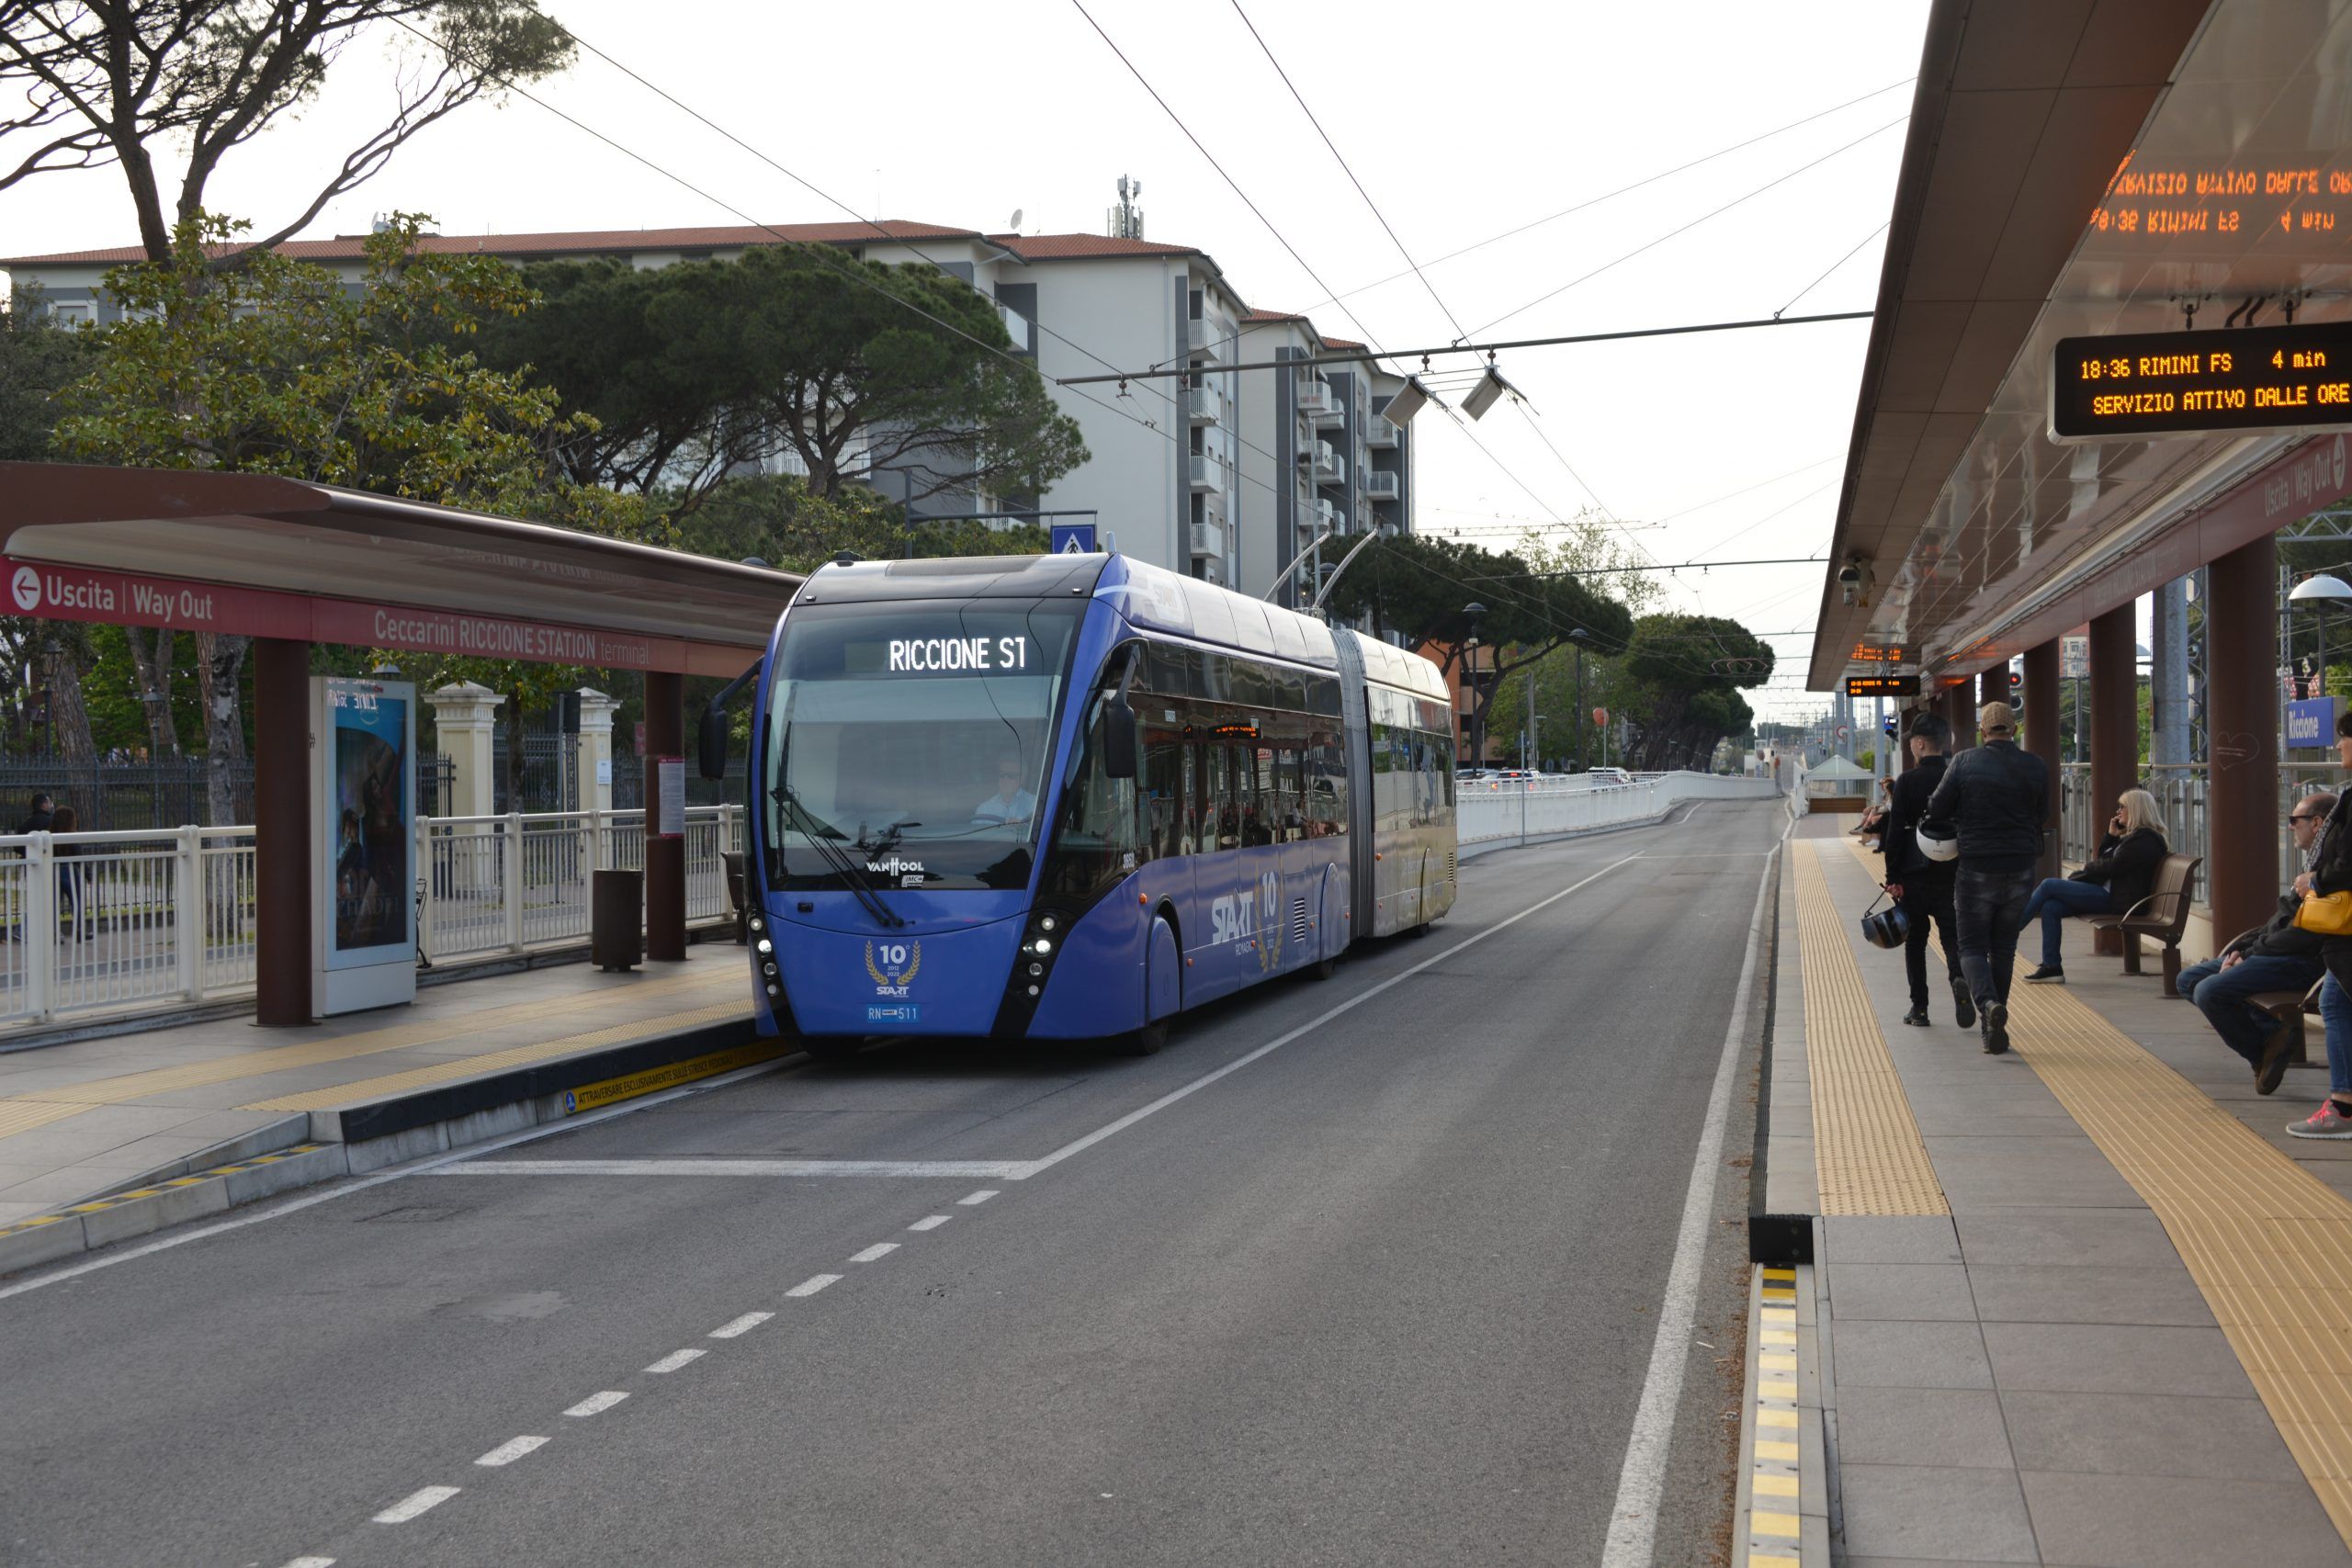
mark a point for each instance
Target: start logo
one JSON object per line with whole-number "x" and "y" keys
{"x": 25, "y": 586}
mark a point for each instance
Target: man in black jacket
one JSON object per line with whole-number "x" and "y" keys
{"x": 1923, "y": 886}
{"x": 2276, "y": 956}
{"x": 1997, "y": 797}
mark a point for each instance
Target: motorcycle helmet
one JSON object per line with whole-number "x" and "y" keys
{"x": 1887, "y": 928}
{"x": 1938, "y": 840}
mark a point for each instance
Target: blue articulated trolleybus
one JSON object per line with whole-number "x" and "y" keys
{"x": 1069, "y": 796}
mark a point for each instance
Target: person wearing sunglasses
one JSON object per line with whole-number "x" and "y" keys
{"x": 2331, "y": 872}
{"x": 2274, "y": 956}
{"x": 1011, "y": 803}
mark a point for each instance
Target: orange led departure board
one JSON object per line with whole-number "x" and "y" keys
{"x": 1876, "y": 653}
{"x": 2182, "y": 383}
{"x": 2221, "y": 208}
{"x": 1881, "y": 685}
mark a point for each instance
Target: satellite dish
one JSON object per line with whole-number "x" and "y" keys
{"x": 1015, "y": 225}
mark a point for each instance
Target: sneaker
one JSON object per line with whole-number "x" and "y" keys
{"x": 2272, "y": 1067}
{"x": 1997, "y": 1030}
{"x": 2047, "y": 974}
{"x": 1917, "y": 1018}
{"x": 1964, "y": 1006}
{"x": 2327, "y": 1121}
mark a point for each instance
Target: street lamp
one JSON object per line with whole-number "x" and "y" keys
{"x": 1579, "y": 637}
{"x": 2320, "y": 592}
{"x": 1473, "y": 612}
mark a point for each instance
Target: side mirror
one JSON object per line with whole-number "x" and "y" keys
{"x": 711, "y": 744}
{"x": 1119, "y": 743}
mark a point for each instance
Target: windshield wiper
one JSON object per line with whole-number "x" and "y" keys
{"x": 834, "y": 856}
{"x": 889, "y": 837}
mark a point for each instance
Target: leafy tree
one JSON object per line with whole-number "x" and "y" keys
{"x": 1422, "y": 585}
{"x": 278, "y": 369}
{"x": 776, "y": 518}
{"x": 37, "y": 359}
{"x": 1687, "y": 672}
{"x": 854, "y": 367}
{"x": 117, "y": 82}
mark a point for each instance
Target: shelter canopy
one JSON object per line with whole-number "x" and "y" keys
{"x": 2080, "y": 167}
{"x": 269, "y": 556}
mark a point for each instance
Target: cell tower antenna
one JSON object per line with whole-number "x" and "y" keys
{"x": 1124, "y": 222}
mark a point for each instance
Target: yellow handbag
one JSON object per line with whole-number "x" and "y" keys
{"x": 2325, "y": 915}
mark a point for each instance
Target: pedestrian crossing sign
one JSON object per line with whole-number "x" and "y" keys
{"x": 1073, "y": 538}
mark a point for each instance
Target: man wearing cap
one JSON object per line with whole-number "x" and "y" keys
{"x": 1996, "y": 797}
{"x": 1921, "y": 886}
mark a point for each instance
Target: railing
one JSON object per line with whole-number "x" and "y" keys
{"x": 1490, "y": 809}
{"x": 1207, "y": 473}
{"x": 96, "y": 924}
{"x": 2180, "y": 792}
{"x": 1205, "y": 405}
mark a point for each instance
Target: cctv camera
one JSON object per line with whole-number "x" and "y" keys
{"x": 1850, "y": 575}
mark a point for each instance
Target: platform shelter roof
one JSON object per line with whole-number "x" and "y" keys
{"x": 257, "y": 555}
{"x": 2080, "y": 167}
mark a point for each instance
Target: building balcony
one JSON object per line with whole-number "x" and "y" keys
{"x": 1318, "y": 402}
{"x": 1016, "y": 327}
{"x": 1213, "y": 570}
{"x": 1209, "y": 539}
{"x": 1209, "y": 338}
{"x": 1383, "y": 485}
{"x": 1204, "y": 405}
{"x": 1323, "y": 517}
{"x": 1327, "y": 467}
{"x": 1207, "y": 473}
{"x": 1378, "y": 432}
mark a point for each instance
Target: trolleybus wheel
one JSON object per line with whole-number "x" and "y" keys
{"x": 1144, "y": 1042}
{"x": 1323, "y": 969}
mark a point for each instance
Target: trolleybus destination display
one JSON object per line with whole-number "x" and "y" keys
{"x": 2274, "y": 379}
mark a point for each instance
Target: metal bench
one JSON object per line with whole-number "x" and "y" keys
{"x": 2293, "y": 1007}
{"x": 2163, "y": 914}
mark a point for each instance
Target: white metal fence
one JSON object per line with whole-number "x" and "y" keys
{"x": 1487, "y": 811}
{"x": 93, "y": 924}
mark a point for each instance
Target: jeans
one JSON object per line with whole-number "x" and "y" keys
{"x": 2222, "y": 995}
{"x": 1988, "y": 908}
{"x": 2054, "y": 900}
{"x": 2336, "y": 1011}
{"x": 1927, "y": 902}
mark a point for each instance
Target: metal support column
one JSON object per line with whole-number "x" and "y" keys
{"x": 1992, "y": 685}
{"x": 2241, "y": 873}
{"x": 2041, "y": 735}
{"x": 665, "y": 859}
{"x": 282, "y": 848}
{"x": 2114, "y": 727}
{"x": 1959, "y": 712}
{"x": 2168, "y": 676}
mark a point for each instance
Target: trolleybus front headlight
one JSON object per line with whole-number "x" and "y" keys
{"x": 764, "y": 945}
{"x": 1041, "y": 946}
{"x": 1047, "y": 923}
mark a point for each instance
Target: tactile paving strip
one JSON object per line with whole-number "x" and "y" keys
{"x": 1868, "y": 1158}
{"x": 2268, "y": 1244}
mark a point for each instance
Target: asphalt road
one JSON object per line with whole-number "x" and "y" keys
{"x": 1384, "y": 1293}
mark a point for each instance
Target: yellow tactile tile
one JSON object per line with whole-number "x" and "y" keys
{"x": 24, "y": 1115}
{"x": 496, "y": 1061}
{"x": 1867, "y": 1156}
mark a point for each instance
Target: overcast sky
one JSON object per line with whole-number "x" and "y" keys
{"x": 1463, "y": 122}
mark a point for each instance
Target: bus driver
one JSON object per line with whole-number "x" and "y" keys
{"x": 1011, "y": 803}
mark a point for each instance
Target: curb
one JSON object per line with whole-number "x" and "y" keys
{"x": 357, "y": 1139}
{"x": 1781, "y": 1517}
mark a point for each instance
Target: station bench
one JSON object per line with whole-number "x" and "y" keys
{"x": 2163, "y": 915}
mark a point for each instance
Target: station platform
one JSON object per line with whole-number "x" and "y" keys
{"x": 2083, "y": 1303}
{"x": 106, "y": 1138}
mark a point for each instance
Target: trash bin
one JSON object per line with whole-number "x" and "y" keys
{"x": 616, "y": 919}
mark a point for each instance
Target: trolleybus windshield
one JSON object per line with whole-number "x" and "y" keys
{"x": 907, "y": 743}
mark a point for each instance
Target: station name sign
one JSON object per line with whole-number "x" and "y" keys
{"x": 2184, "y": 383}
{"x": 1881, "y": 685}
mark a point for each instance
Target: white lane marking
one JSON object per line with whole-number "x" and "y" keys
{"x": 1633, "y": 1520}
{"x": 676, "y": 1359}
{"x": 741, "y": 1326}
{"x": 596, "y": 1402}
{"x": 510, "y": 1451}
{"x": 874, "y": 1254}
{"x": 930, "y": 1222}
{"x": 1279, "y": 1041}
{"x": 393, "y": 1173}
{"x": 982, "y": 1196}
{"x": 422, "y": 1501}
{"x": 1004, "y": 1170}
{"x": 312, "y": 1563}
{"x": 811, "y": 1285}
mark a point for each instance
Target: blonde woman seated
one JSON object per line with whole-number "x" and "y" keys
{"x": 2118, "y": 878}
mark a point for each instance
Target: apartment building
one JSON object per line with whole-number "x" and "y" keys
{"x": 1223, "y": 474}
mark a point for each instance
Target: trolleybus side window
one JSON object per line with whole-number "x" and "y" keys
{"x": 1096, "y": 841}
{"x": 1165, "y": 828}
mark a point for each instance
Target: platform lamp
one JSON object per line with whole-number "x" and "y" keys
{"x": 1473, "y": 612}
{"x": 2320, "y": 592}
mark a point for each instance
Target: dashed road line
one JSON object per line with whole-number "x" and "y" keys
{"x": 874, "y": 1254}
{"x": 741, "y": 1326}
{"x": 982, "y": 1196}
{"x": 595, "y": 1403}
{"x": 311, "y": 1563}
{"x": 811, "y": 1285}
{"x": 510, "y": 1451}
{"x": 676, "y": 1359}
{"x": 422, "y": 1501}
{"x": 930, "y": 1222}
